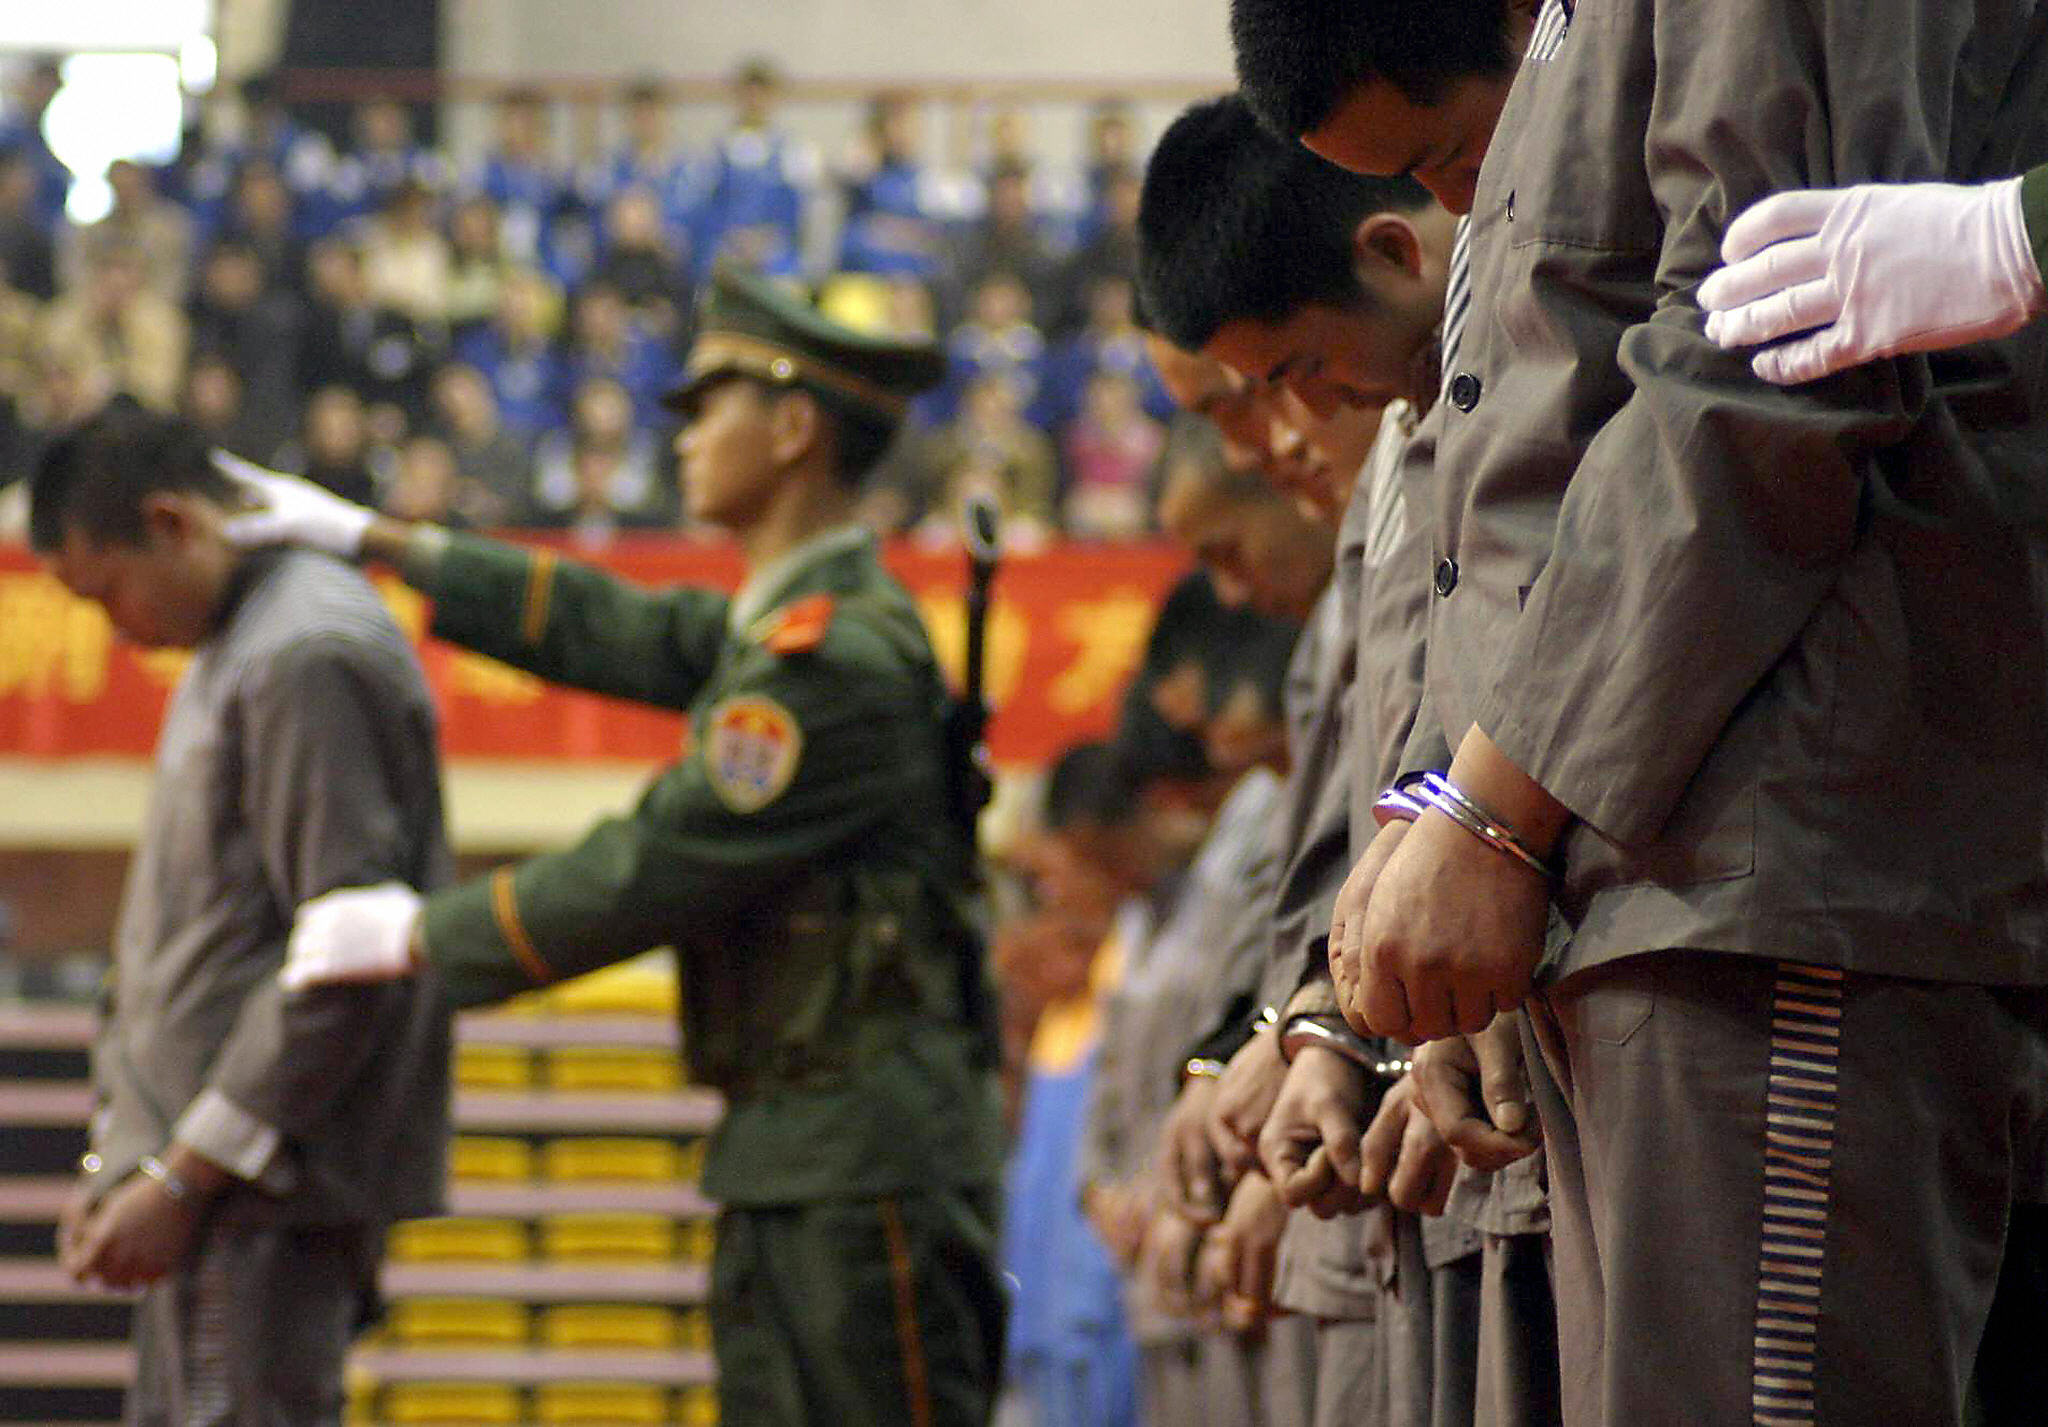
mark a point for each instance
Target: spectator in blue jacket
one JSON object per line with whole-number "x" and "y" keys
{"x": 517, "y": 354}
{"x": 756, "y": 186}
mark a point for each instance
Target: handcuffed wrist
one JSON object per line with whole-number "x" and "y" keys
{"x": 1316, "y": 996}
{"x": 1314, "y": 1030}
{"x": 172, "y": 1183}
{"x": 1449, "y": 799}
{"x": 1399, "y": 801}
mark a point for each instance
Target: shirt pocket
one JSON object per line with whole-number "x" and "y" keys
{"x": 1579, "y": 172}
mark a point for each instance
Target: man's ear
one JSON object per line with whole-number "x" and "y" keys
{"x": 175, "y": 517}
{"x": 795, "y": 426}
{"x": 1385, "y": 240}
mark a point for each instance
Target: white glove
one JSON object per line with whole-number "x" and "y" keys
{"x": 353, "y": 935}
{"x": 291, "y": 511}
{"x": 1872, "y": 271}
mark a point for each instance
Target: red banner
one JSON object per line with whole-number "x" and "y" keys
{"x": 1066, "y": 631}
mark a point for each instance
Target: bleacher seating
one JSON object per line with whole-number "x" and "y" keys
{"x": 565, "y": 1286}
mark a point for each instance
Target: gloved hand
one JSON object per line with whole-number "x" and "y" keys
{"x": 1872, "y": 271}
{"x": 292, "y": 511}
{"x": 355, "y": 934}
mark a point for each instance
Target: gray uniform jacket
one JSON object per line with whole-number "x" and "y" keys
{"x": 297, "y": 756}
{"x": 1185, "y": 959}
{"x": 1352, "y": 694}
{"x": 1782, "y": 650}
{"x": 1350, "y": 700}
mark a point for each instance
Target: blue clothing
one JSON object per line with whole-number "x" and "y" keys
{"x": 1074, "y": 361}
{"x": 678, "y": 184}
{"x": 647, "y": 370}
{"x": 532, "y": 387}
{"x": 892, "y": 225}
{"x": 1016, "y": 352}
{"x": 755, "y": 180}
{"x": 1069, "y": 1350}
{"x": 53, "y": 179}
{"x": 527, "y": 195}
{"x": 303, "y": 160}
{"x": 360, "y": 183}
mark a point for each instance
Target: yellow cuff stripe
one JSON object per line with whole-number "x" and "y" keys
{"x": 540, "y": 586}
{"x": 505, "y": 909}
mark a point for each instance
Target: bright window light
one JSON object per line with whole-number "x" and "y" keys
{"x": 112, "y": 106}
{"x": 198, "y": 64}
{"x": 85, "y": 25}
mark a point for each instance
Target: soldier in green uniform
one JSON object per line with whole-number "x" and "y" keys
{"x": 804, "y": 857}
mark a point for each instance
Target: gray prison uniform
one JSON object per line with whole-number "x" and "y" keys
{"x": 1472, "y": 1336}
{"x": 297, "y": 756}
{"x": 1187, "y": 952}
{"x": 1428, "y": 1271}
{"x": 1325, "y": 1271}
{"x": 1781, "y": 652}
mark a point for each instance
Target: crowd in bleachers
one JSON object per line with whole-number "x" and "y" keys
{"x": 482, "y": 339}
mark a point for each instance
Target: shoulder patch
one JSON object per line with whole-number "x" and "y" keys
{"x": 751, "y": 746}
{"x": 795, "y": 628}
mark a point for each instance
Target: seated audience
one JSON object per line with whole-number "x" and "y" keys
{"x": 1110, "y": 449}
{"x": 601, "y": 474}
{"x": 517, "y": 354}
{"x": 137, "y": 336}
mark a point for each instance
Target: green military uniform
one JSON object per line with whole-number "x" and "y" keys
{"x": 2034, "y": 208}
{"x": 803, "y": 860}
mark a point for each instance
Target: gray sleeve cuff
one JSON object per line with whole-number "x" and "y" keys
{"x": 232, "y": 1138}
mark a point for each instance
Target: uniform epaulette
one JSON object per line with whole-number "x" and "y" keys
{"x": 795, "y": 628}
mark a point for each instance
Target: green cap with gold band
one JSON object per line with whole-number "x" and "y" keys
{"x": 752, "y": 326}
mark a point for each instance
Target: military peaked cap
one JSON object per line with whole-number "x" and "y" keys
{"x": 750, "y": 326}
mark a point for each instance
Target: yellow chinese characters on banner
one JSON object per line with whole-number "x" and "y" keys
{"x": 1067, "y": 629}
{"x": 52, "y": 644}
{"x": 1008, "y": 640}
{"x": 1108, "y": 635}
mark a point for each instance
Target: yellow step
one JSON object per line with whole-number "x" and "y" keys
{"x": 499, "y": 1158}
{"x": 608, "y": 1325}
{"x": 599, "y": 1404}
{"x": 459, "y": 1241}
{"x": 457, "y": 1322}
{"x": 610, "y": 1157}
{"x": 629, "y": 1238}
{"x": 626, "y": 1068}
{"x": 451, "y": 1404}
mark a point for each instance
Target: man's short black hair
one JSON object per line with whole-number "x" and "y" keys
{"x": 1090, "y": 783}
{"x": 1236, "y": 225}
{"x": 860, "y": 435}
{"x": 96, "y": 476}
{"x": 1298, "y": 60}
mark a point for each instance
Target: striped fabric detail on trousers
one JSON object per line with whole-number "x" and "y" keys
{"x": 1799, "y": 1151}
{"x": 208, "y": 1395}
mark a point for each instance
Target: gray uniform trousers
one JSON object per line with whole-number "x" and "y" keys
{"x": 1257, "y": 1380}
{"x": 1429, "y": 1323}
{"x": 1515, "y": 1370}
{"x": 1828, "y": 1248}
{"x": 1327, "y": 1276}
{"x": 253, "y": 1331}
{"x": 1517, "y": 1377}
